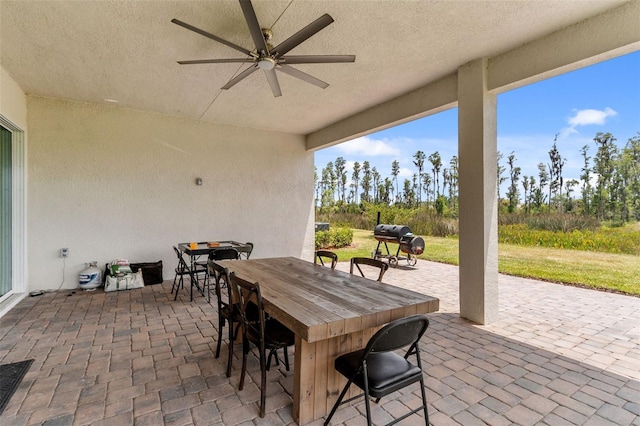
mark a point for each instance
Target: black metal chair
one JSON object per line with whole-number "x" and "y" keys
{"x": 224, "y": 254}
{"x": 247, "y": 254}
{"x": 194, "y": 275}
{"x": 267, "y": 335}
{"x": 227, "y": 253}
{"x": 379, "y": 371}
{"x": 322, "y": 255}
{"x": 356, "y": 262}
{"x": 228, "y": 309}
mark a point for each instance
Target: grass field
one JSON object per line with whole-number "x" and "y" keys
{"x": 604, "y": 271}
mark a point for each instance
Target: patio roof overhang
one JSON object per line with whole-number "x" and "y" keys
{"x": 407, "y": 55}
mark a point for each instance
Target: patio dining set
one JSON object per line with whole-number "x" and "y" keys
{"x": 346, "y": 328}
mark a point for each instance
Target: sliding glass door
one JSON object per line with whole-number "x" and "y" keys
{"x": 5, "y": 212}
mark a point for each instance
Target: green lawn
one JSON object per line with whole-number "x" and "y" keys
{"x": 613, "y": 272}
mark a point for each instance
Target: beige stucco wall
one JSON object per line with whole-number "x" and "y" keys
{"x": 13, "y": 102}
{"x": 109, "y": 183}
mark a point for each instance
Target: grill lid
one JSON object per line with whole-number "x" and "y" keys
{"x": 390, "y": 232}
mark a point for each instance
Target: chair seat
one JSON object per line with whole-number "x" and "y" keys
{"x": 199, "y": 268}
{"x": 276, "y": 335}
{"x": 388, "y": 371}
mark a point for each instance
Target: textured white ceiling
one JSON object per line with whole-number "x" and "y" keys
{"x": 127, "y": 50}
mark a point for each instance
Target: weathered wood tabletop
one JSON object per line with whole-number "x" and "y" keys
{"x": 331, "y": 312}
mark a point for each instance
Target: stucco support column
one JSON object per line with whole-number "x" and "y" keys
{"x": 477, "y": 150}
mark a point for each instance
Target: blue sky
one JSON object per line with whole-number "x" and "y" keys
{"x": 604, "y": 97}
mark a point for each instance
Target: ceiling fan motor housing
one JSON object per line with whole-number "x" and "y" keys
{"x": 267, "y": 63}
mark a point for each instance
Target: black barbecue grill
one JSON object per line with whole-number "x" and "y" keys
{"x": 401, "y": 235}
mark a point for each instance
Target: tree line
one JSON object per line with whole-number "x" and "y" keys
{"x": 608, "y": 188}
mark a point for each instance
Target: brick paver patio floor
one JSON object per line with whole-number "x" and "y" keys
{"x": 558, "y": 355}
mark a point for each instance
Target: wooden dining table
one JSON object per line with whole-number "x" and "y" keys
{"x": 331, "y": 313}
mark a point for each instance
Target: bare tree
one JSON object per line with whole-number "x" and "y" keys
{"x": 555, "y": 174}
{"x": 395, "y": 171}
{"x": 355, "y": 176}
{"x": 501, "y": 169}
{"x": 514, "y": 175}
{"x": 419, "y": 158}
{"x": 436, "y": 162}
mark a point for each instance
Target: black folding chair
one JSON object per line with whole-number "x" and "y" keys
{"x": 378, "y": 371}
{"x": 247, "y": 254}
{"x": 326, "y": 255}
{"x": 228, "y": 253}
{"x": 224, "y": 254}
{"x": 194, "y": 275}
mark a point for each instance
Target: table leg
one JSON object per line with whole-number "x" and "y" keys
{"x": 193, "y": 277}
{"x": 316, "y": 382}
{"x": 303, "y": 386}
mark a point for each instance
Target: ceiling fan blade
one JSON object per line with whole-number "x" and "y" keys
{"x": 293, "y": 72}
{"x": 254, "y": 26}
{"x": 273, "y": 82}
{"x": 215, "y": 61}
{"x": 317, "y": 59}
{"x": 302, "y": 35}
{"x": 211, "y": 36}
{"x": 244, "y": 74}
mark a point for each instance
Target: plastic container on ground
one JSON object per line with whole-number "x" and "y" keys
{"x": 90, "y": 278}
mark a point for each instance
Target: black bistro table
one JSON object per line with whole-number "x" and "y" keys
{"x": 205, "y": 248}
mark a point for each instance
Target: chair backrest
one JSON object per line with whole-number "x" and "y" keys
{"x": 326, "y": 254}
{"x": 398, "y": 334}
{"x": 220, "y": 275}
{"x": 248, "y": 293}
{"x": 357, "y": 261}
{"x": 182, "y": 265}
{"x": 224, "y": 254}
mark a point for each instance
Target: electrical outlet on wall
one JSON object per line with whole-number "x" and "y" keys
{"x": 64, "y": 252}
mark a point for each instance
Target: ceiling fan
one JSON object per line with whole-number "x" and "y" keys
{"x": 269, "y": 58}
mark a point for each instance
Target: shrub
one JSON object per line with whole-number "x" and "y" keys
{"x": 334, "y": 238}
{"x": 441, "y": 203}
{"x": 562, "y": 222}
{"x": 609, "y": 240}
{"x": 341, "y": 237}
{"x": 443, "y": 227}
{"x": 511, "y": 219}
{"x": 323, "y": 239}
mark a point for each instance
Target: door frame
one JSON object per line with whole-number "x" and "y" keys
{"x": 18, "y": 217}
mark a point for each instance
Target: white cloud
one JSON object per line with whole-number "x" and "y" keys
{"x": 405, "y": 173}
{"x": 348, "y": 167}
{"x": 585, "y": 117}
{"x": 369, "y": 147}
